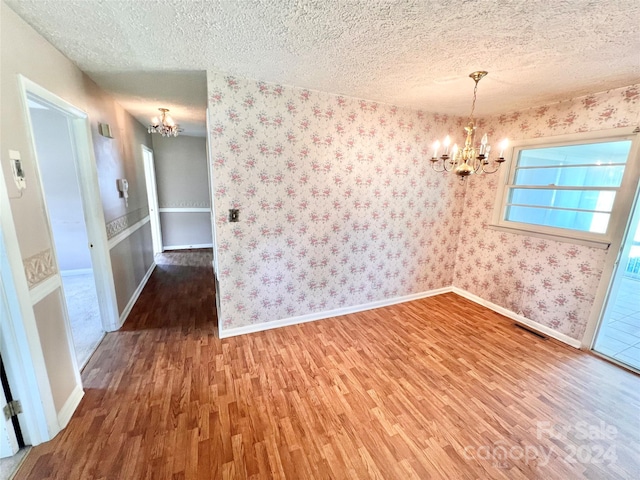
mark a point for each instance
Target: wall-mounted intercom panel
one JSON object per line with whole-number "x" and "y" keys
{"x": 123, "y": 188}
{"x": 16, "y": 169}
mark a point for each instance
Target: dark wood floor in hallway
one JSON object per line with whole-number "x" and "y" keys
{"x": 436, "y": 388}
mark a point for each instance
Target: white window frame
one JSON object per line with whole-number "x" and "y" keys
{"x": 623, "y": 196}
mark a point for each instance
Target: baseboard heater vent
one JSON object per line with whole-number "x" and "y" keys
{"x": 523, "y": 327}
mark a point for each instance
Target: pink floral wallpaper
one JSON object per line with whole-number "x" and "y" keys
{"x": 550, "y": 282}
{"x": 339, "y": 207}
{"x": 338, "y": 203}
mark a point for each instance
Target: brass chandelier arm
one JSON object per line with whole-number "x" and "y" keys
{"x": 446, "y": 160}
{"x": 497, "y": 162}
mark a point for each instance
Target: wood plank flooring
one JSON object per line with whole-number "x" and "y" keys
{"x": 436, "y": 388}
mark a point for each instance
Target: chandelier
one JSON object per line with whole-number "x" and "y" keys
{"x": 470, "y": 159}
{"x": 164, "y": 125}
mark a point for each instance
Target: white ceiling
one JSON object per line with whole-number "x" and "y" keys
{"x": 404, "y": 52}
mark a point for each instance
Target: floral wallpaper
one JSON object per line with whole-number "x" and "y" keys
{"x": 338, "y": 203}
{"x": 552, "y": 283}
{"x": 339, "y": 207}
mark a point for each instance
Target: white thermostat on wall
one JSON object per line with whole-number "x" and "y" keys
{"x": 16, "y": 169}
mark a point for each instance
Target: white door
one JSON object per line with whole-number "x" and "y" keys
{"x": 152, "y": 198}
{"x": 8, "y": 442}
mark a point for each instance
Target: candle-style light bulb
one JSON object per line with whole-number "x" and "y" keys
{"x": 436, "y": 146}
{"x": 155, "y": 121}
{"x": 446, "y": 143}
{"x": 454, "y": 151}
{"x": 503, "y": 146}
{"x": 483, "y": 144}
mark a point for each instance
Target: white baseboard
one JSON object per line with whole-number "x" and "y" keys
{"x": 127, "y": 310}
{"x": 518, "y": 318}
{"x": 187, "y": 247}
{"x": 66, "y": 412}
{"x": 77, "y": 271}
{"x": 232, "y": 332}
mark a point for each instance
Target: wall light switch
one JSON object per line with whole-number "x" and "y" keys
{"x": 234, "y": 215}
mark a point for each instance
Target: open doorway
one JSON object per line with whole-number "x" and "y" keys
{"x": 56, "y": 154}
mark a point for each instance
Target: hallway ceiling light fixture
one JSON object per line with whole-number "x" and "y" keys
{"x": 164, "y": 125}
{"x": 470, "y": 159}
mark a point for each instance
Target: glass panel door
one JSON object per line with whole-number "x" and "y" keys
{"x": 619, "y": 332}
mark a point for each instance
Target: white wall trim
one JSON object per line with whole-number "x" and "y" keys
{"x": 66, "y": 412}
{"x": 77, "y": 271}
{"x": 134, "y": 298}
{"x": 184, "y": 210}
{"x": 232, "y": 332}
{"x": 538, "y": 327}
{"x": 125, "y": 233}
{"x": 45, "y": 288}
{"x": 186, "y": 247}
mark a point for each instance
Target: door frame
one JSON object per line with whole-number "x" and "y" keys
{"x": 214, "y": 236}
{"x": 148, "y": 160}
{"x": 628, "y": 191}
{"x": 19, "y": 337}
{"x": 85, "y": 164}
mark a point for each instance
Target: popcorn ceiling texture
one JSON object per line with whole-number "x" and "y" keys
{"x": 410, "y": 53}
{"x": 338, "y": 204}
{"x": 552, "y": 283}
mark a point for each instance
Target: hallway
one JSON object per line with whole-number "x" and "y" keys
{"x": 393, "y": 393}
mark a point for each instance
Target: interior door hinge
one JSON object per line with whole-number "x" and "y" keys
{"x": 12, "y": 409}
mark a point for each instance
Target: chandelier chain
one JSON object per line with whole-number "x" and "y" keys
{"x": 473, "y": 104}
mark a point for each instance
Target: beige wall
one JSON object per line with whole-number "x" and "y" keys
{"x": 23, "y": 51}
{"x": 188, "y": 229}
{"x": 58, "y": 359}
{"x": 131, "y": 263}
{"x": 182, "y": 179}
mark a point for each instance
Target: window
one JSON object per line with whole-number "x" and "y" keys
{"x": 566, "y": 189}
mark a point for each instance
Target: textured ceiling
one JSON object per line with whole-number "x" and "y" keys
{"x": 409, "y": 53}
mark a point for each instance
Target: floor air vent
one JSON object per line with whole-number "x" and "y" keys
{"x": 533, "y": 332}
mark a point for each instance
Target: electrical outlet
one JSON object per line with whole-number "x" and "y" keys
{"x": 234, "y": 215}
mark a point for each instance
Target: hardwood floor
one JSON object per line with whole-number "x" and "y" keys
{"x": 436, "y": 388}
